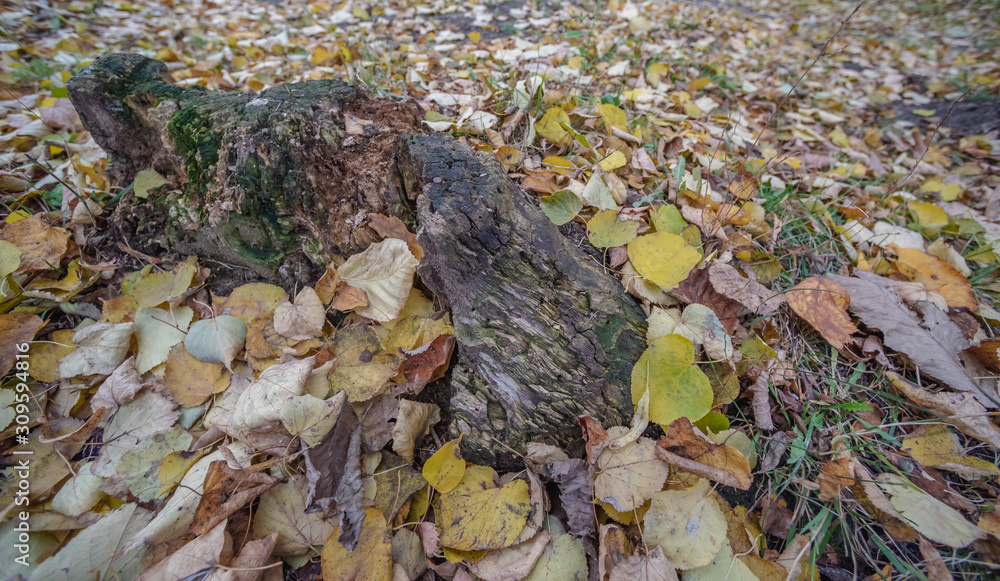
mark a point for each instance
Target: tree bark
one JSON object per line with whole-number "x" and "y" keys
{"x": 270, "y": 181}
{"x": 543, "y": 333}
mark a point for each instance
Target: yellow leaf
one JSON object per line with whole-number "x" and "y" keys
{"x": 929, "y": 215}
{"x": 630, "y": 475}
{"x": 605, "y": 230}
{"x": 839, "y": 137}
{"x": 444, "y": 470}
{"x": 45, "y": 356}
{"x": 663, "y": 259}
{"x": 667, "y": 218}
{"x": 931, "y": 517}
{"x": 175, "y": 465}
{"x": 937, "y": 276}
{"x": 474, "y": 37}
{"x": 613, "y": 161}
{"x": 934, "y": 445}
{"x": 613, "y": 117}
{"x": 191, "y": 381}
{"x": 698, "y": 84}
{"x": 320, "y": 56}
{"x": 550, "y": 126}
{"x": 371, "y": 559}
{"x": 560, "y": 165}
{"x": 363, "y": 366}
{"x": 655, "y": 73}
{"x": 677, "y": 388}
{"x": 160, "y": 287}
{"x": 491, "y": 518}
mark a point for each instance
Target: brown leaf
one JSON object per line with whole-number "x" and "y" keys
{"x": 349, "y": 298}
{"x": 326, "y": 286}
{"x": 933, "y": 344}
{"x": 697, "y": 288}
{"x": 937, "y": 570}
{"x": 333, "y": 469}
{"x": 775, "y": 450}
{"x": 684, "y": 441}
{"x": 42, "y": 246}
{"x": 224, "y": 492}
{"x": 425, "y": 364}
{"x": 836, "y": 475}
{"x": 613, "y": 548}
{"x": 250, "y": 564}
{"x": 393, "y": 227}
{"x": 575, "y": 479}
{"x": 824, "y": 305}
{"x": 596, "y": 436}
{"x": 374, "y": 416}
{"x": 753, "y": 295}
{"x": 16, "y": 330}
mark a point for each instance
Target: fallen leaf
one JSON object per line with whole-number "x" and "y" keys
{"x": 414, "y": 421}
{"x": 698, "y": 323}
{"x": 937, "y": 276}
{"x": 100, "y": 349}
{"x": 118, "y": 389}
{"x": 836, "y": 475}
{"x": 563, "y": 559}
{"x": 165, "y": 287}
{"x": 156, "y": 332}
{"x": 932, "y": 345}
{"x": 385, "y": 271}
{"x": 393, "y": 227}
{"x": 724, "y": 567}
{"x": 16, "y": 331}
{"x": 192, "y": 382}
{"x": 473, "y": 517}
{"x": 371, "y": 558}
{"x": 348, "y": 298}
{"x": 932, "y": 518}
{"x": 938, "y": 446}
{"x": 687, "y": 525}
{"x": 445, "y": 468}
{"x": 97, "y": 549}
{"x": 261, "y": 402}
{"x": 677, "y": 388}
{"x": 550, "y": 126}
{"x": 425, "y": 364}
{"x": 282, "y": 510}
{"x": 303, "y": 319}
{"x": 363, "y": 366}
{"x": 686, "y": 441}
{"x": 663, "y": 259}
{"x": 606, "y": 229}
{"x": 958, "y": 409}
{"x": 630, "y": 475}
{"x": 751, "y": 294}
{"x": 824, "y": 305}
{"x": 250, "y": 301}
{"x": 42, "y": 246}
{"x": 561, "y": 207}
{"x": 216, "y": 340}
{"x": 204, "y": 552}
{"x": 226, "y": 490}
{"x": 512, "y": 563}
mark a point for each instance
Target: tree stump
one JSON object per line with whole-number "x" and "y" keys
{"x": 289, "y": 174}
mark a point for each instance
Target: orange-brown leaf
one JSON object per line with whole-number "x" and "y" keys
{"x": 824, "y": 305}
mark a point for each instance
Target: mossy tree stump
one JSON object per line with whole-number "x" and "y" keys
{"x": 274, "y": 181}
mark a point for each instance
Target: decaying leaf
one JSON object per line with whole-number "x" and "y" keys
{"x": 302, "y": 319}
{"x": 282, "y": 509}
{"x": 363, "y": 365}
{"x": 42, "y": 246}
{"x": 216, "y": 340}
{"x": 937, "y": 276}
{"x": 722, "y": 463}
{"x": 474, "y": 517}
{"x": 938, "y": 446}
{"x": 563, "y": 559}
{"x": 750, "y": 293}
{"x": 101, "y": 348}
{"x": 414, "y": 420}
{"x": 698, "y": 323}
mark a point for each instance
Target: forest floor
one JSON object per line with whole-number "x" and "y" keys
{"x": 832, "y": 168}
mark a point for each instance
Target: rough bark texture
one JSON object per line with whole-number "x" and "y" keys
{"x": 544, "y": 334}
{"x": 270, "y": 181}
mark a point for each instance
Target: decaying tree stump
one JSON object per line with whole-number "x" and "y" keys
{"x": 544, "y": 334}
{"x": 270, "y": 181}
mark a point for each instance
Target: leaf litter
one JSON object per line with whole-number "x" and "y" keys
{"x": 722, "y": 179}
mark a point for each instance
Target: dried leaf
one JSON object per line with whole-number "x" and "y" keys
{"x": 303, "y": 319}
{"x": 385, "y": 271}
{"x": 663, "y": 259}
{"x": 824, "y": 305}
{"x": 687, "y": 525}
{"x": 629, "y": 476}
{"x": 751, "y": 294}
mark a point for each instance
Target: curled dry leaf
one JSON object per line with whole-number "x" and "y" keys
{"x": 704, "y": 457}
{"x": 393, "y": 227}
{"x": 958, "y": 409}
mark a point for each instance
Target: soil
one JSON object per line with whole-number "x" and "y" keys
{"x": 969, "y": 117}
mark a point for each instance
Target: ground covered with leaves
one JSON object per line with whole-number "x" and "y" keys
{"x": 803, "y": 196}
